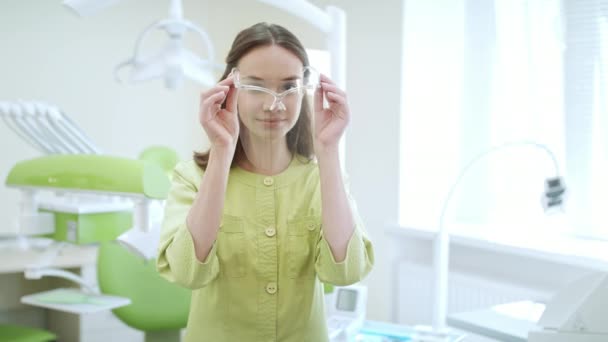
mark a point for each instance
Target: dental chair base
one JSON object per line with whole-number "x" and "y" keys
{"x": 90, "y": 227}
{"x": 163, "y": 336}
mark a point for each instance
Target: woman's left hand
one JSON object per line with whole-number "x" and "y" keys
{"x": 330, "y": 122}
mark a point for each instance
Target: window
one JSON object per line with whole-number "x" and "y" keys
{"x": 478, "y": 74}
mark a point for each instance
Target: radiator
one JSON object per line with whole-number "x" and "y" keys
{"x": 467, "y": 292}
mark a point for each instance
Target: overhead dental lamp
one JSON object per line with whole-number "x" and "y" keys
{"x": 173, "y": 62}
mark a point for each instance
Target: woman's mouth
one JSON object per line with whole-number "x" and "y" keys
{"x": 271, "y": 122}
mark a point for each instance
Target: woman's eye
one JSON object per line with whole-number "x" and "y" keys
{"x": 289, "y": 86}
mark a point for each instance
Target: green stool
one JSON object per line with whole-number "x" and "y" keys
{"x": 15, "y": 333}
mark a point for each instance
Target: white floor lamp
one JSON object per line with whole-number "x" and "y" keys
{"x": 552, "y": 198}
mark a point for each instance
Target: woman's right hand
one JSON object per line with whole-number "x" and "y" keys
{"x": 220, "y": 124}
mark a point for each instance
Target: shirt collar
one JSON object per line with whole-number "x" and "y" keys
{"x": 298, "y": 167}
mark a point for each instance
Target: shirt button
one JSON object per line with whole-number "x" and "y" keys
{"x": 271, "y": 288}
{"x": 311, "y": 226}
{"x": 270, "y": 231}
{"x": 268, "y": 181}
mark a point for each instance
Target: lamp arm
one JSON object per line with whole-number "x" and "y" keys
{"x": 175, "y": 10}
{"x": 441, "y": 244}
{"x": 204, "y": 37}
{"x": 136, "y": 55}
{"x": 482, "y": 155}
{"x": 140, "y": 39}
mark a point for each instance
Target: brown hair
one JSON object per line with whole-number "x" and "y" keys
{"x": 299, "y": 138}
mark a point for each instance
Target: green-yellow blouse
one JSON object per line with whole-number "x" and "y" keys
{"x": 262, "y": 279}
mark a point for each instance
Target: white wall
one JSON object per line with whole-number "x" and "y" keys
{"x": 49, "y": 54}
{"x": 372, "y": 151}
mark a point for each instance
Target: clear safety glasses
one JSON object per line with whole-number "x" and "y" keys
{"x": 290, "y": 91}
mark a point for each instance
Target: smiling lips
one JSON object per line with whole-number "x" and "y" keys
{"x": 271, "y": 121}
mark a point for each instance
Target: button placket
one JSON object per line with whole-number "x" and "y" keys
{"x": 267, "y": 249}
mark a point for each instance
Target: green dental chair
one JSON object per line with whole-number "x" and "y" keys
{"x": 16, "y": 333}
{"x": 158, "y": 308}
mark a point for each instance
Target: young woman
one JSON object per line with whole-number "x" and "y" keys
{"x": 257, "y": 223}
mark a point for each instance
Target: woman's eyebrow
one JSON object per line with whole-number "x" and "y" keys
{"x": 255, "y": 78}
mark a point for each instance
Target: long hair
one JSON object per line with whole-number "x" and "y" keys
{"x": 299, "y": 138}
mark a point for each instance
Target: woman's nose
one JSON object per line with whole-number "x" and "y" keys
{"x": 272, "y": 103}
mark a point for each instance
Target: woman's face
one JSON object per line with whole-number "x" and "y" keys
{"x": 278, "y": 70}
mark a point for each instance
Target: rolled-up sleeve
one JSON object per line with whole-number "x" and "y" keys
{"x": 176, "y": 259}
{"x": 359, "y": 256}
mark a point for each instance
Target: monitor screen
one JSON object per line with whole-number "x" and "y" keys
{"x": 347, "y": 300}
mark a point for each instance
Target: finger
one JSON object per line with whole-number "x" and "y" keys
{"x": 231, "y": 98}
{"x": 326, "y": 79}
{"x": 224, "y": 84}
{"x": 228, "y": 81}
{"x": 333, "y": 88}
{"x": 216, "y": 98}
{"x": 336, "y": 98}
{"x": 213, "y": 90}
{"x": 212, "y": 102}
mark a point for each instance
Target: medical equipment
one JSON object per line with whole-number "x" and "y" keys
{"x": 78, "y": 195}
{"x": 346, "y": 312}
{"x": 173, "y": 62}
{"x": 551, "y": 200}
{"x": 117, "y": 194}
{"x": 120, "y": 194}
{"x": 332, "y": 22}
{"x": 94, "y": 199}
{"x": 86, "y": 299}
{"x": 576, "y": 313}
{"x": 45, "y": 127}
